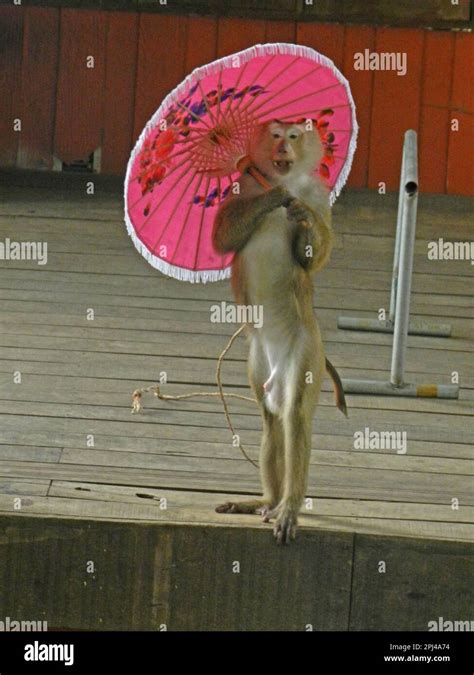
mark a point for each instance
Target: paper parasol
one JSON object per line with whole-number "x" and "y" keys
{"x": 184, "y": 163}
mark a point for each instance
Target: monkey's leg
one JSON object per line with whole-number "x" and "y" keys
{"x": 271, "y": 448}
{"x": 297, "y": 427}
{"x": 271, "y": 470}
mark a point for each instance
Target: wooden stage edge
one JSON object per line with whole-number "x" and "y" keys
{"x": 107, "y": 519}
{"x": 102, "y": 575}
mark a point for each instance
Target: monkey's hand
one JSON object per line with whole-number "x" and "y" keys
{"x": 278, "y": 196}
{"x": 300, "y": 214}
{"x": 312, "y": 241}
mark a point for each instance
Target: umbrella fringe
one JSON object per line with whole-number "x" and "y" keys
{"x": 203, "y": 276}
{"x": 179, "y": 273}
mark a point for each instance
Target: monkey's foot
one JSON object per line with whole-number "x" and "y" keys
{"x": 285, "y": 524}
{"x": 255, "y": 506}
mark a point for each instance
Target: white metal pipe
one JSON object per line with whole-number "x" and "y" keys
{"x": 407, "y": 245}
{"x": 396, "y": 255}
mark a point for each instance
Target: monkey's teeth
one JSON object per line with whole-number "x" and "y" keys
{"x": 282, "y": 164}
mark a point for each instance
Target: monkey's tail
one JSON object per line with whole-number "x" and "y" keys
{"x": 338, "y": 388}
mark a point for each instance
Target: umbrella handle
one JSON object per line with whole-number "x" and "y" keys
{"x": 245, "y": 165}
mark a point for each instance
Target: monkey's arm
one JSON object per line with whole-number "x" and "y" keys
{"x": 238, "y": 217}
{"x": 313, "y": 238}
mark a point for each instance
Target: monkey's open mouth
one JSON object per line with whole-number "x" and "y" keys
{"x": 282, "y": 165}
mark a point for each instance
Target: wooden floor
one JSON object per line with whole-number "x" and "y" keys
{"x": 77, "y": 376}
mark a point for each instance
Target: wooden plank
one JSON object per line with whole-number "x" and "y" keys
{"x": 437, "y": 70}
{"x": 119, "y": 97}
{"x": 320, "y": 577}
{"x": 433, "y": 148}
{"x": 194, "y": 506}
{"x": 11, "y": 39}
{"x": 161, "y": 54}
{"x": 325, "y": 38}
{"x": 33, "y": 277}
{"x": 11, "y": 488}
{"x": 416, "y": 425}
{"x": 50, "y": 579}
{"x": 462, "y": 95}
{"x": 326, "y": 299}
{"x": 179, "y": 372}
{"x": 112, "y": 392}
{"x": 190, "y": 441}
{"x": 356, "y": 39}
{"x": 38, "y": 87}
{"x": 395, "y": 105}
{"x": 460, "y": 178}
{"x": 122, "y": 511}
{"x": 201, "y": 42}
{"x": 355, "y": 211}
{"x": 176, "y": 322}
{"x": 328, "y": 419}
{"x": 233, "y": 35}
{"x": 239, "y": 476}
{"x": 136, "y": 264}
{"x": 460, "y": 174}
{"x": 196, "y": 581}
{"x": 163, "y": 458}
{"x": 19, "y": 332}
{"x": 359, "y": 355}
{"x": 403, "y": 598}
{"x": 280, "y": 31}
{"x": 30, "y": 453}
{"x": 79, "y": 102}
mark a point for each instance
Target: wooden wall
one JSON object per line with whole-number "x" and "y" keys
{"x": 67, "y": 110}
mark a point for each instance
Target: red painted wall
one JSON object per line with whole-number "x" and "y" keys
{"x": 68, "y": 111}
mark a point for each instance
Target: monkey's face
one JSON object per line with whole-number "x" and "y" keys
{"x": 282, "y": 150}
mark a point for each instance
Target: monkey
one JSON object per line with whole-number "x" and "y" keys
{"x": 281, "y": 237}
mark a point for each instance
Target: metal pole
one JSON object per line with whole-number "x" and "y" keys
{"x": 396, "y": 255}
{"x": 407, "y": 244}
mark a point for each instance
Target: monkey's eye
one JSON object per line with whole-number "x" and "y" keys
{"x": 293, "y": 136}
{"x": 276, "y": 135}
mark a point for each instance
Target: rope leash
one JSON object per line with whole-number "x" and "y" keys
{"x": 155, "y": 388}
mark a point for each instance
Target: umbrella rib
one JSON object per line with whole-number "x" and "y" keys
{"x": 193, "y": 176}
{"x": 280, "y": 91}
{"x": 185, "y": 220}
{"x": 314, "y": 110}
{"x": 178, "y": 154}
{"x": 241, "y": 73}
{"x": 219, "y": 92}
{"x": 298, "y": 98}
{"x": 193, "y": 114}
{"x": 248, "y": 102}
{"x": 211, "y": 115}
{"x": 157, "y": 206}
{"x": 200, "y": 227}
{"x": 170, "y": 173}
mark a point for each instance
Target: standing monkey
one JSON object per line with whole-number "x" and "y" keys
{"x": 281, "y": 237}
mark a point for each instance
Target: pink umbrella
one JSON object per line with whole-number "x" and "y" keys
{"x": 185, "y": 161}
